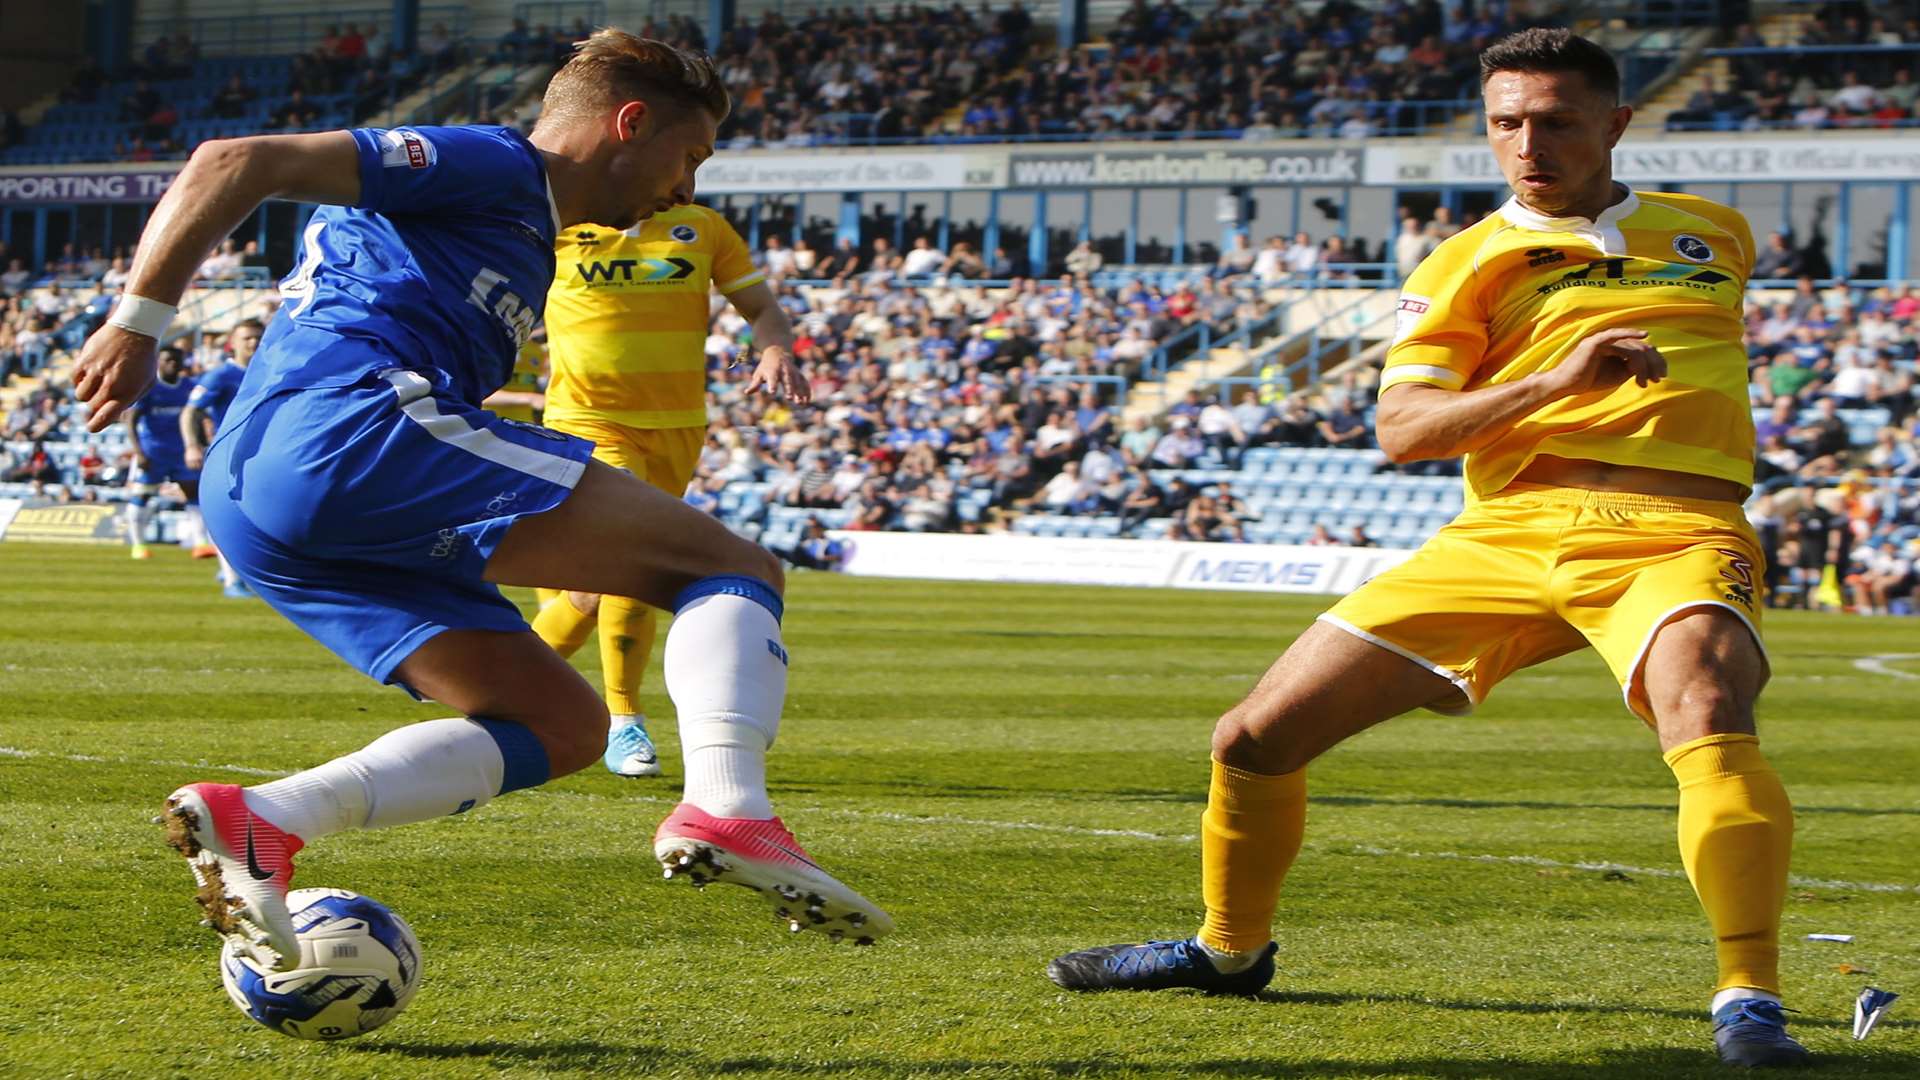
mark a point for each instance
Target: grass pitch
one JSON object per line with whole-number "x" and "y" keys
{"x": 1013, "y": 772}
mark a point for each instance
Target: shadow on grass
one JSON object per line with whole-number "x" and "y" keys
{"x": 1320, "y": 997}
{"x": 1610, "y": 1065}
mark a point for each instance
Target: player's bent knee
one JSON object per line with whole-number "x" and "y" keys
{"x": 582, "y": 751}
{"x": 515, "y": 678}
{"x": 747, "y": 559}
{"x": 1257, "y": 741}
{"x": 1701, "y": 707}
{"x": 574, "y": 733}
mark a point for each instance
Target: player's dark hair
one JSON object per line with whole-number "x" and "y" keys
{"x": 1544, "y": 50}
{"x": 255, "y": 325}
{"x": 612, "y": 67}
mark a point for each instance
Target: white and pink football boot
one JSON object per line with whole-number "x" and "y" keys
{"x": 243, "y": 865}
{"x": 762, "y": 855}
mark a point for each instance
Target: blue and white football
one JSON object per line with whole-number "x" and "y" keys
{"x": 359, "y": 966}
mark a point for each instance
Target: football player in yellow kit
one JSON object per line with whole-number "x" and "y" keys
{"x": 1582, "y": 347}
{"x": 627, "y": 320}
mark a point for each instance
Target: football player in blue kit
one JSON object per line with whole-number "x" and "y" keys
{"x": 358, "y": 487}
{"x": 213, "y": 395}
{"x": 159, "y": 452}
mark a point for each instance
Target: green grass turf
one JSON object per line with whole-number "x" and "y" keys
{"x": 1014, "y": 772}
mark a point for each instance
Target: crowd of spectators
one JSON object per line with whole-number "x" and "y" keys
{"x": 836, "y": 73}
{"x": 1268, "y": 70}
{"x": 1838, "y": 473}
{"x": 1260, "y": 71}
{"x": 1845, "y": 69}
{"x": 36, "y": 422}
{"x": 1271, "y": 70}
{"x": 930, "y": 396}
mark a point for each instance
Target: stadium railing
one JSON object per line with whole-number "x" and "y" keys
{"x": 1322, "y": 345}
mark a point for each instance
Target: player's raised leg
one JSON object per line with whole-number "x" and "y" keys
{"x": 726, "y": 671}
{"x": 1327, "y": 686}
{"x": 1701, "y": 678}
{"x": 529, "y": 716}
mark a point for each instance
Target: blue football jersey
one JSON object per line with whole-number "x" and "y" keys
{"x": 441, "y": 268}
{"x": 156, "y": 417}
{"x": 215, "y": 391}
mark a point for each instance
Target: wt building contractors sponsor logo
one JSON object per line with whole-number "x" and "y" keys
{"x": 1329, "y": 166}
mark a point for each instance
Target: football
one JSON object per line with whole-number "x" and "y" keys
{"x": 359, "y": 966}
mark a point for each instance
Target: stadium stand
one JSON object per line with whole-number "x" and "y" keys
{"x": 1841, "y": 66}
{"x": 172, "y": 98}
{"x": 919, "y": 74}
{"x": 1231, "y": 70}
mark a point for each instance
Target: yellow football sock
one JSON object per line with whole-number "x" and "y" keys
{"x": 1736, "y": 835}
{"x": 626, "y": 644}
{"x": 543, "y": 597}
{"x": 561, "y": 625}
{"x": 1249, "y": 836}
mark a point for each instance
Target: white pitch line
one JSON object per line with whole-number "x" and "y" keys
{"x": 1647, "y": 871}
{"x": 249, "y": 770}
{"x": 1064, "y": 830}
{"x": 1877, "y": 664}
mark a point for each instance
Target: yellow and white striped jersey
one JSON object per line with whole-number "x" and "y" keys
{"x": 1516, "y": 292}
{"x": 627, "y": 317}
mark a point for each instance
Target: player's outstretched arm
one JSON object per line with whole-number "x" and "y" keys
{"x": 224, "y": 181}
{"x": 773, "y": 334}
{"x": 1416, "y": 422}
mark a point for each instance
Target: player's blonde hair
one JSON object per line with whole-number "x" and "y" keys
{"x": 613, "y": 67}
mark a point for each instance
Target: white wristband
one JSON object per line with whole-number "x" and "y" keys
{"x": 143, "y": 316}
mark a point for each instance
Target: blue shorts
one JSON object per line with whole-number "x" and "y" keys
{"x": 366, "y": 513}
{"x": 163, "y": 466}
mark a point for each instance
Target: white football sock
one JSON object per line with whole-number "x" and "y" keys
{"x": 726, "y": 671}
{"x": 227, "y": 576}
{"x": 417, "y": 772}
{"x": 616, "y": 721}
{"x": 136, "y": 521}
{"x": 1229, "y": 963}
{"x": 193, "y": 528}
{"x": 1739, "y": 993}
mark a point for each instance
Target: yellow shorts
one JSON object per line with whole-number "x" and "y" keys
{"x": 663, "y": 457}
{"x": 1536, "y": 572}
